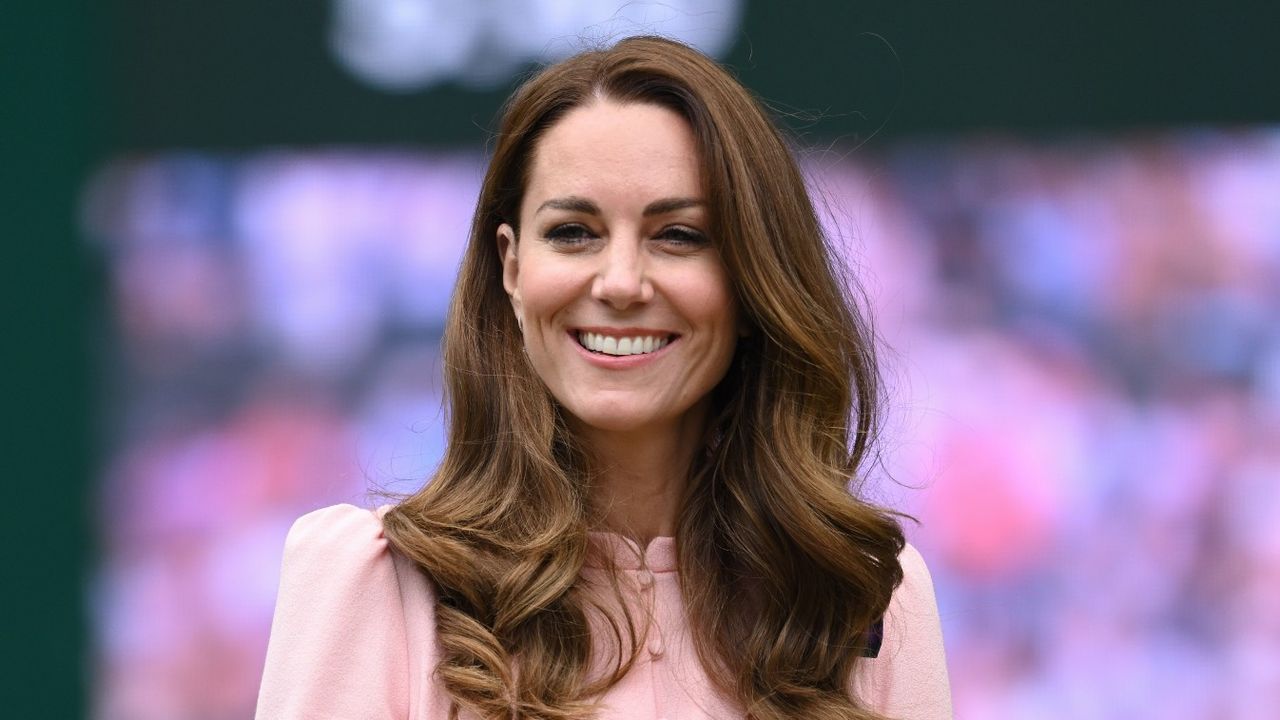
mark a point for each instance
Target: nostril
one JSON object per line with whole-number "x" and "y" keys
{"x": 623, "y": 295}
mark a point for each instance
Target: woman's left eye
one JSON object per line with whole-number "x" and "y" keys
{"x": 683, "y": 236}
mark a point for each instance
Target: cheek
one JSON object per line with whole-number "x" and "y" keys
{"x": 709, "y": 298}
{"x": 545, "y": 287}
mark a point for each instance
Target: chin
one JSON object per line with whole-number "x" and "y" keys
{"x": 613, "y": 423}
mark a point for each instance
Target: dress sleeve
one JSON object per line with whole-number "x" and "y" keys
{"x": 337, "y": 647}
{"x": 908, "y": 679}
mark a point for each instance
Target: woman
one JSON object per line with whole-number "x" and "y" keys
{"x": 659, "y": 396}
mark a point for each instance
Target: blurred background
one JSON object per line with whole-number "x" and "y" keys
{"x": 235, "y": 227}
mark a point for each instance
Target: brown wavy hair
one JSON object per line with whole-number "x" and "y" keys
{"x": 784, "y": 571}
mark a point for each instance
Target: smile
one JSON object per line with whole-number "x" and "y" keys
{"x": 634, "y": 345}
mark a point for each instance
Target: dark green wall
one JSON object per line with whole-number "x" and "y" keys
{"x": 241, "y": 73}
{"x": 49, "y": 130}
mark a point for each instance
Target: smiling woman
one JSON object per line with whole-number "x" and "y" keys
{"x": 660, "y": 400}
{"x": 627, "y": 311}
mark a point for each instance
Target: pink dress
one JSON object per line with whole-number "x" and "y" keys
{"x": 354, "y": 636}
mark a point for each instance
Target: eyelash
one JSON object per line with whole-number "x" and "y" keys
{"x": 569, "y": 233}
{"x": 577, "y": 234}
{"x": 685, "y": 236}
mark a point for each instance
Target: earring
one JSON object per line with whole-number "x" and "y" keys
{"x": 520, "y": 323}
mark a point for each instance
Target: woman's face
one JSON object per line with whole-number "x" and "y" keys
{"x": 627, "y": 309}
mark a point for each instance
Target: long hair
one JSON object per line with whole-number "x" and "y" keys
{"x": 783, "y": 569}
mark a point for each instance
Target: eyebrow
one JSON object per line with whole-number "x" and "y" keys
{"x": 574, "y": 203}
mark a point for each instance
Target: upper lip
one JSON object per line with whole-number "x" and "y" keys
{"x": 625, "y": 331}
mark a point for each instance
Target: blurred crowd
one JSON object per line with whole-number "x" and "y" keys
{"x": 1080, "y": 339}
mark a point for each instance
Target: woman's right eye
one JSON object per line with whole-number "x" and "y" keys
{"x": 569, "y": 234}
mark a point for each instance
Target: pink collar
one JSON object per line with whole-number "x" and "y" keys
{"x": 660, "y": 556}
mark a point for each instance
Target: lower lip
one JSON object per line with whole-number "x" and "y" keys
{"x": 619, "y": 362}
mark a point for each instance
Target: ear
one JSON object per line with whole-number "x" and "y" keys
{"x": 507, "y": 246}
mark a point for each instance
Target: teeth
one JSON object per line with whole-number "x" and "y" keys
{"x": 610, "y": 345}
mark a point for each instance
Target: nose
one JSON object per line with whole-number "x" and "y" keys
{"x": 622, "y": 280}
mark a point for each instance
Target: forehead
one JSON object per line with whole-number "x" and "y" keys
{"x": 614, "y": 153}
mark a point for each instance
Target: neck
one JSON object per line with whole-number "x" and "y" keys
{"x": 640, "y": 475}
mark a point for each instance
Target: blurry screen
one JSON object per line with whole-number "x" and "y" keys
{"x": 410, "y": 45}
{"x": 1081, "y": 342}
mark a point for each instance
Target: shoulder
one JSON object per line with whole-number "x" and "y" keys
{"x": 915, "y": 595}
{"x": 336, "y": 535}
{"x": 909, "y": 676}
{"x": 338, "y": 551}
{"x": 338, "y": 638}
